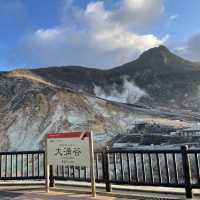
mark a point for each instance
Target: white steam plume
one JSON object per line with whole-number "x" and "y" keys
{"x": 130, "y": 92}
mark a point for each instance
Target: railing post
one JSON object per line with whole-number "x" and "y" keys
{"x": 51, "y": 177}
{"x": 106, "y": 170}
{"x": 187, "y": 172}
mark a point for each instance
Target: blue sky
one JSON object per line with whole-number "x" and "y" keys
{"x": 92, "y": 33}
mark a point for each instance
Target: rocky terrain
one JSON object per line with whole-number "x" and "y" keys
{"x": 158, "y": 87}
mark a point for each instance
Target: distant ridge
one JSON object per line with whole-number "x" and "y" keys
{"x": 169, "y": 80}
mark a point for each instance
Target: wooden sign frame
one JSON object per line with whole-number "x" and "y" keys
{"x": 91, "y": 149}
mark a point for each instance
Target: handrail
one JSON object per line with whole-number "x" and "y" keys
{"x": 152, "y": 167}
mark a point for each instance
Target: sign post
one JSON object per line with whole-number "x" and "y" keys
{"x": 93, "y": 184}
{"x": 71, "y": 149}
{"x": 47, "y": 167}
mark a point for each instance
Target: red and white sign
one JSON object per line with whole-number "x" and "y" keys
{"x": 69, "y": 148}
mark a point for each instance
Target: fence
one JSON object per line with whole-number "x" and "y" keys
{"x": 169, "y": 168}
{"x": 22, "y": 165}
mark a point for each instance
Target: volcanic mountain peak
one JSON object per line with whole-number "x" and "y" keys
{"x": 160, "y": 55}
{"x": 158, "y": 50}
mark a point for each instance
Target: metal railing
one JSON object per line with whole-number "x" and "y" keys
{"x": 168, "y": 168}
{"x": 23, "y": 165}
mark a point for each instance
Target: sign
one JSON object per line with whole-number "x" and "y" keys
{"x": 71, "y": 148}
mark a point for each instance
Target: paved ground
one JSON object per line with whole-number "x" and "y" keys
{"x": 44, "y": 196}
{"x": 67, "y": 193}
{"x": 40, "y": 195}
{"x": 74, "y": 192}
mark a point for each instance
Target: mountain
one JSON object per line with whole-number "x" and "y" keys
{"x": 36, "y": 102}
{"x": 168, "y": 80}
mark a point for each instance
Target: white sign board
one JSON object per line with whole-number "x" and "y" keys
{"x": 71, "y": 148}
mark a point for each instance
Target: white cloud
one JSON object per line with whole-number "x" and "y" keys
{"x": 173, "y": 17}
{"x": 191, "y": 49}
{"x": 138, "y": 13}
{"x": 95, "y": 36}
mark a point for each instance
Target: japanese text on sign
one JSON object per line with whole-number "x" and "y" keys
{"x": 68, "y": 149}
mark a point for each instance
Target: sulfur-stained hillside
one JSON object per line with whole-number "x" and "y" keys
{"x": 31, "y": 107}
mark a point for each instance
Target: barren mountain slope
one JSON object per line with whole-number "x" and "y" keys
{"x": 31, "y": 107}
{"x": 168, "y": 80}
